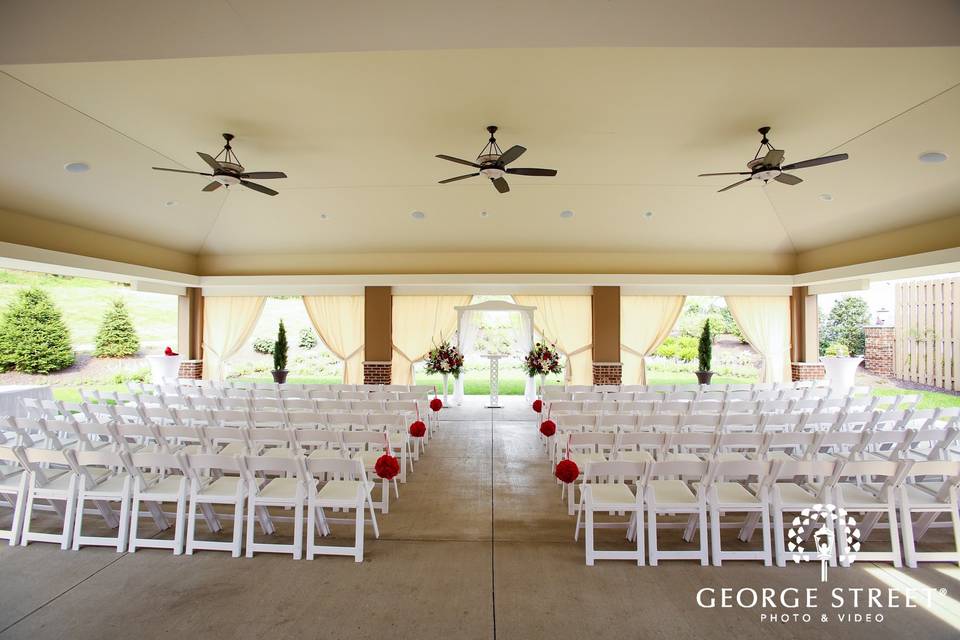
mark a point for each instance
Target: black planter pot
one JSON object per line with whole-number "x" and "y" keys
{"x": 280, "y": 375}
{"x": 703, "y": 377}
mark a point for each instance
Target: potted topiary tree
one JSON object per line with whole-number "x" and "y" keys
{"x": 280, "y": 356}
{"x": 705, "y": 354}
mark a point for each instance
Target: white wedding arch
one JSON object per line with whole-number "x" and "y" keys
{"x": 468, "y": 329}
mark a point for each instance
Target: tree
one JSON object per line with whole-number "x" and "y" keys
{"x": 705, "y": 348}
{"x": 117, "y": 337}
{"x": 845, "y": 324}
{"x": 33, "y": 335}
{"x": 280, "y": 349}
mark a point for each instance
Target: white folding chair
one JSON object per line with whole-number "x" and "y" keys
{"x": 210, "y": 486}
{"x": 345, "y": 486}
{"x": 584, "y": 448}
{"x": 367, "y": 447}
{"x": 666, "y": 493}
{"x": 284, "y": 485}
{"x": 874, "y": 499}
{"x": 604, "y": 488}
{"x": 13, "y": 488}
{"x": 103, "y": 477}
{"x": 154, "y": 482}
{"x": 929, "y": 498}
{"x": 51, "y": 478}
{"x": 726, "y": 495}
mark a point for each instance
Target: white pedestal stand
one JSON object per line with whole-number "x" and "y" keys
{"x": 446, "y": 379}
{"x": 458, "y": 390}
{"x": 494, "y": 380}
{"x": 841, "y": 372}
{"x": 164, "y": 368}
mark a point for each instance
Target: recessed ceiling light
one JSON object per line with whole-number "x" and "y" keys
{"x": 324, "y": 216}
{"x": 418, "y": 215}
{"x": 933, "y": 157}
{"x": 484, "y": 214}
{"x": 648, "y": 214}
{"x": 826, "y": 197}
{"x": 76, "y": 167}
{"x": 566, "y": 213}
{"x": 170, "y": 203}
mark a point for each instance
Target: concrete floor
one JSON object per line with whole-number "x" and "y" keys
{"x": 478, "y": 546}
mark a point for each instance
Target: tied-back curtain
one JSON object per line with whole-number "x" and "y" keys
{"x": 227, "y": 324}
{"x": 338, "y": 321}
{"x": 765, "y": 322}
{"x": 420, "y": 322}
{"x": 568, "y": 322}
{"x": 645, "y": 322}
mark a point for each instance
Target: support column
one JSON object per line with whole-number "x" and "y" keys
{"x": 607, "y": 368}
{"x": 879, "y": 352}
{"x": 804, "y": 336}
{"x": 377, "y": 334}
{"x": 190, "y": 333}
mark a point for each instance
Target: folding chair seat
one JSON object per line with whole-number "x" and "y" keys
{"x": 933, "y": 444}
{"x": 929, "y": 499}
{"x": 209, "y": 485}
{"x": 306, "y": 419}
{"x": 154, "y": 482}
{"x": 664, "y": 423}
{"x": 604, "y": 488}
{"x": 681, "y": 396}
{"x": 782, "y": 422}
{"x": 680, "y": 407}
{"x": 345, "y": 486}
{"x": 587, "y": 396}
{"x": 776, "y": 406}
{"x": 742, "y": 395}
{"x": 731, "y": 496}
{"x": 600, "y": 407}
{"x": 691, "y": 446}
{"x": 790, "y": 446}
{"x": 664, "y": 494}
{"x": 741, "y": 422}
{"x": 617, "y": 396}
{"x": 103, "y": 477}
{"x": 700, "y": 423}
{"x": 324, "y": 395}
{"x": 874, "y": 499}
{"x": 268, "y": 418}
{"x": 706, "y": 407}
{"x": 316, "y": 444}
{"x": 639, "y": 408}
{"x": 641, "y": 446}
{"x": 823, "y": 421}
{"x": 50, "y": 478}
{"x": 648, "y": 396}
{"x": 333, "y": 406}
{"x": 367, "y": 447}
{"x": 13, "y": 488}
{"x": 271, "y": 442}
{"x": 233, "y": 403}
{"x": 284, "y": 486}
{"x": 304, "y": 405}
{"x": 713, "y": 395}
{"x": 584, "y": 448}
{"x": 617, "y": 422}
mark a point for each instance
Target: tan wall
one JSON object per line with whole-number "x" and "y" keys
{"x": 378, "y": 324}
{"x": 606, "y": 324}
{"x": 55, "y": 236}
{"x": 929, "y": 236}
{"x": 447, "y": 263}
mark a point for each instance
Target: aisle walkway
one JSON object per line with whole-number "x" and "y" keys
{"x": 477, "y": 547}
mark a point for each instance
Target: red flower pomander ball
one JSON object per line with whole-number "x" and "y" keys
{"x": 418, "y": 429}
{"x": 567, "y": 471}
{"x": 548, "y": 428}
{"x": 436, "y": 404}
{"x": 387, "y": 466}
{"x": 538, "y": 405}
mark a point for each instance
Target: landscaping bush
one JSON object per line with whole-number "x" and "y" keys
{"x": 280, "y": 349}
{"x": 117, "y": 337}
{"x": 33, "y": 335}
{"x": 845, "y": 324}
{"x": 682, "y": 348}
{"x": 263, "y": 345}
{"x": 308, "y": 339}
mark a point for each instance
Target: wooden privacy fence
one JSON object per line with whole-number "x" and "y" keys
{"x": 927, "y": 324}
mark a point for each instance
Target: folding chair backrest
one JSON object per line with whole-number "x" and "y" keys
{"x": 700, "y": 423}
{"x": 949, "y": 469}
{"x": 324, "y": 394}
{"x": 618, "y": 396}
{"x": 587, "y": 396}
{"x": 385, "y": 420}
{"x": 716, "y": 395}
{"x": 644, "y": 408}
{"x": 613, "y": 471}
{"x": 354, "y": 395}
{"x": 708, "y": 407}
{"x": 858, "y": 421}
{"x": 741, "y": 468}
{"x": 789, "y": 470}
{"x": 298, "y": 404}
{"x": 680, "y": 396}
{"x": 743, "y": 422}
{"x": 678, "y": 408}
{"x": 347, "y": 421}
{"x": 267, "y": 419}
{"x": 743, "y": 395}
{"x": 576, "y": 422}
{"x": 891, "y": 419}
{"x": 367, "y": 406}
{"x": 231, "y": 418}
{"x": 304, "y": 419}
{"x": 273, "y": 464}
{"x": 335, "y": 468}
{"x": 601, "y": 406}
{"x": 593, "y": 440}
{"x": 126, "y": 413}
{"x": 672, "y": 468}
{"x": 556, "y": 407}
{"x": 648, "y": 396}
{"x": 822, "y": 421}
{"x": 314, "y": 439}
{"x": 411, "y": 395}
{"x": 660, "y": 422}
{"x": 650, "y": 441}
{"x": 774, "y": 422}
{"x": 618, "y": 422}
{"x": 776, "y": 406}
{"x": 199, "y": 462}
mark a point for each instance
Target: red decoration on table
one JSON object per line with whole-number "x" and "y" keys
{"x": 538, "y": 405}
{"x": 170, "y": 352}
{"x": 436, "y": 404}
{"x": 418, "y": 429}
{"x": 567, "y": 471}
{"x": 548, "y": 428}
{"x": 387, "y": 466}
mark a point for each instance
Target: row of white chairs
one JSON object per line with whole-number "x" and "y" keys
{"x": 668, "y": 388}
{"x": 821, "y": 405}
{"x": 719, "y": 395}
{"x": 177, "y": 395}
{"x": 706, "y": 491}
{"x": 187, "y": 383}
{"x": 70, "y": 479}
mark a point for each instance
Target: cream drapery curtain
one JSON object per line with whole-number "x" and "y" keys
{"x": 765, "y": 322}
{"x": 419, "y": 322}
{"x": 338, "y": 321}
{"x": 567, "y": 321}
{"x": 645, "y": 322}
{"x": 227, "y": 324}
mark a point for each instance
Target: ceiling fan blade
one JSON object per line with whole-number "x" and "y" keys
{"x": 735, "y": 184}
{"x": 511, "y": 154}
{"x": 213, "y": 186}
{"x": 263, "y": 175}
{"x": 452, "y": 159}
{"x": 469, "y": 175}
{"x": 501, "y": 185}
{"x": 523, "y": 171}
{"x": 786, "y": 178}
{"x": 773, "y": 158}
{"x": 196, "y": 173}
{"x": 209, "y": 160}
{"x": 803, "y": 164}
{"x": 729, "y": 173}
{"x": 259, "y": 187}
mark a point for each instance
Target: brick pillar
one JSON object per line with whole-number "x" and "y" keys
{"x": 377, "y": 334}
{"x": 807, "y": 371}
{"x": 607, "y": 368}
{"x": 879, "y": 355}
{"x": 191, "y": 370}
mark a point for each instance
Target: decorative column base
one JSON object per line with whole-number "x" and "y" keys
{"x": 607, "y": 372}
{"x": 191, "y": 370}
{"x": 377, "y": 372}
{"x": 807, "y": 371}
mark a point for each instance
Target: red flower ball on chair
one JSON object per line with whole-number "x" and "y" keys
{"x": 548, "y": 428}
{"x": 436, "y": 404}
{"x": 418, "y": 429}
{"x": 567, "y": 471}
{"x": 387, "y": 466}
{"x": 538, "y": 405}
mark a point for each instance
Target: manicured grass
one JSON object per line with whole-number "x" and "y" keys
{"x": 928, "y": 399}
